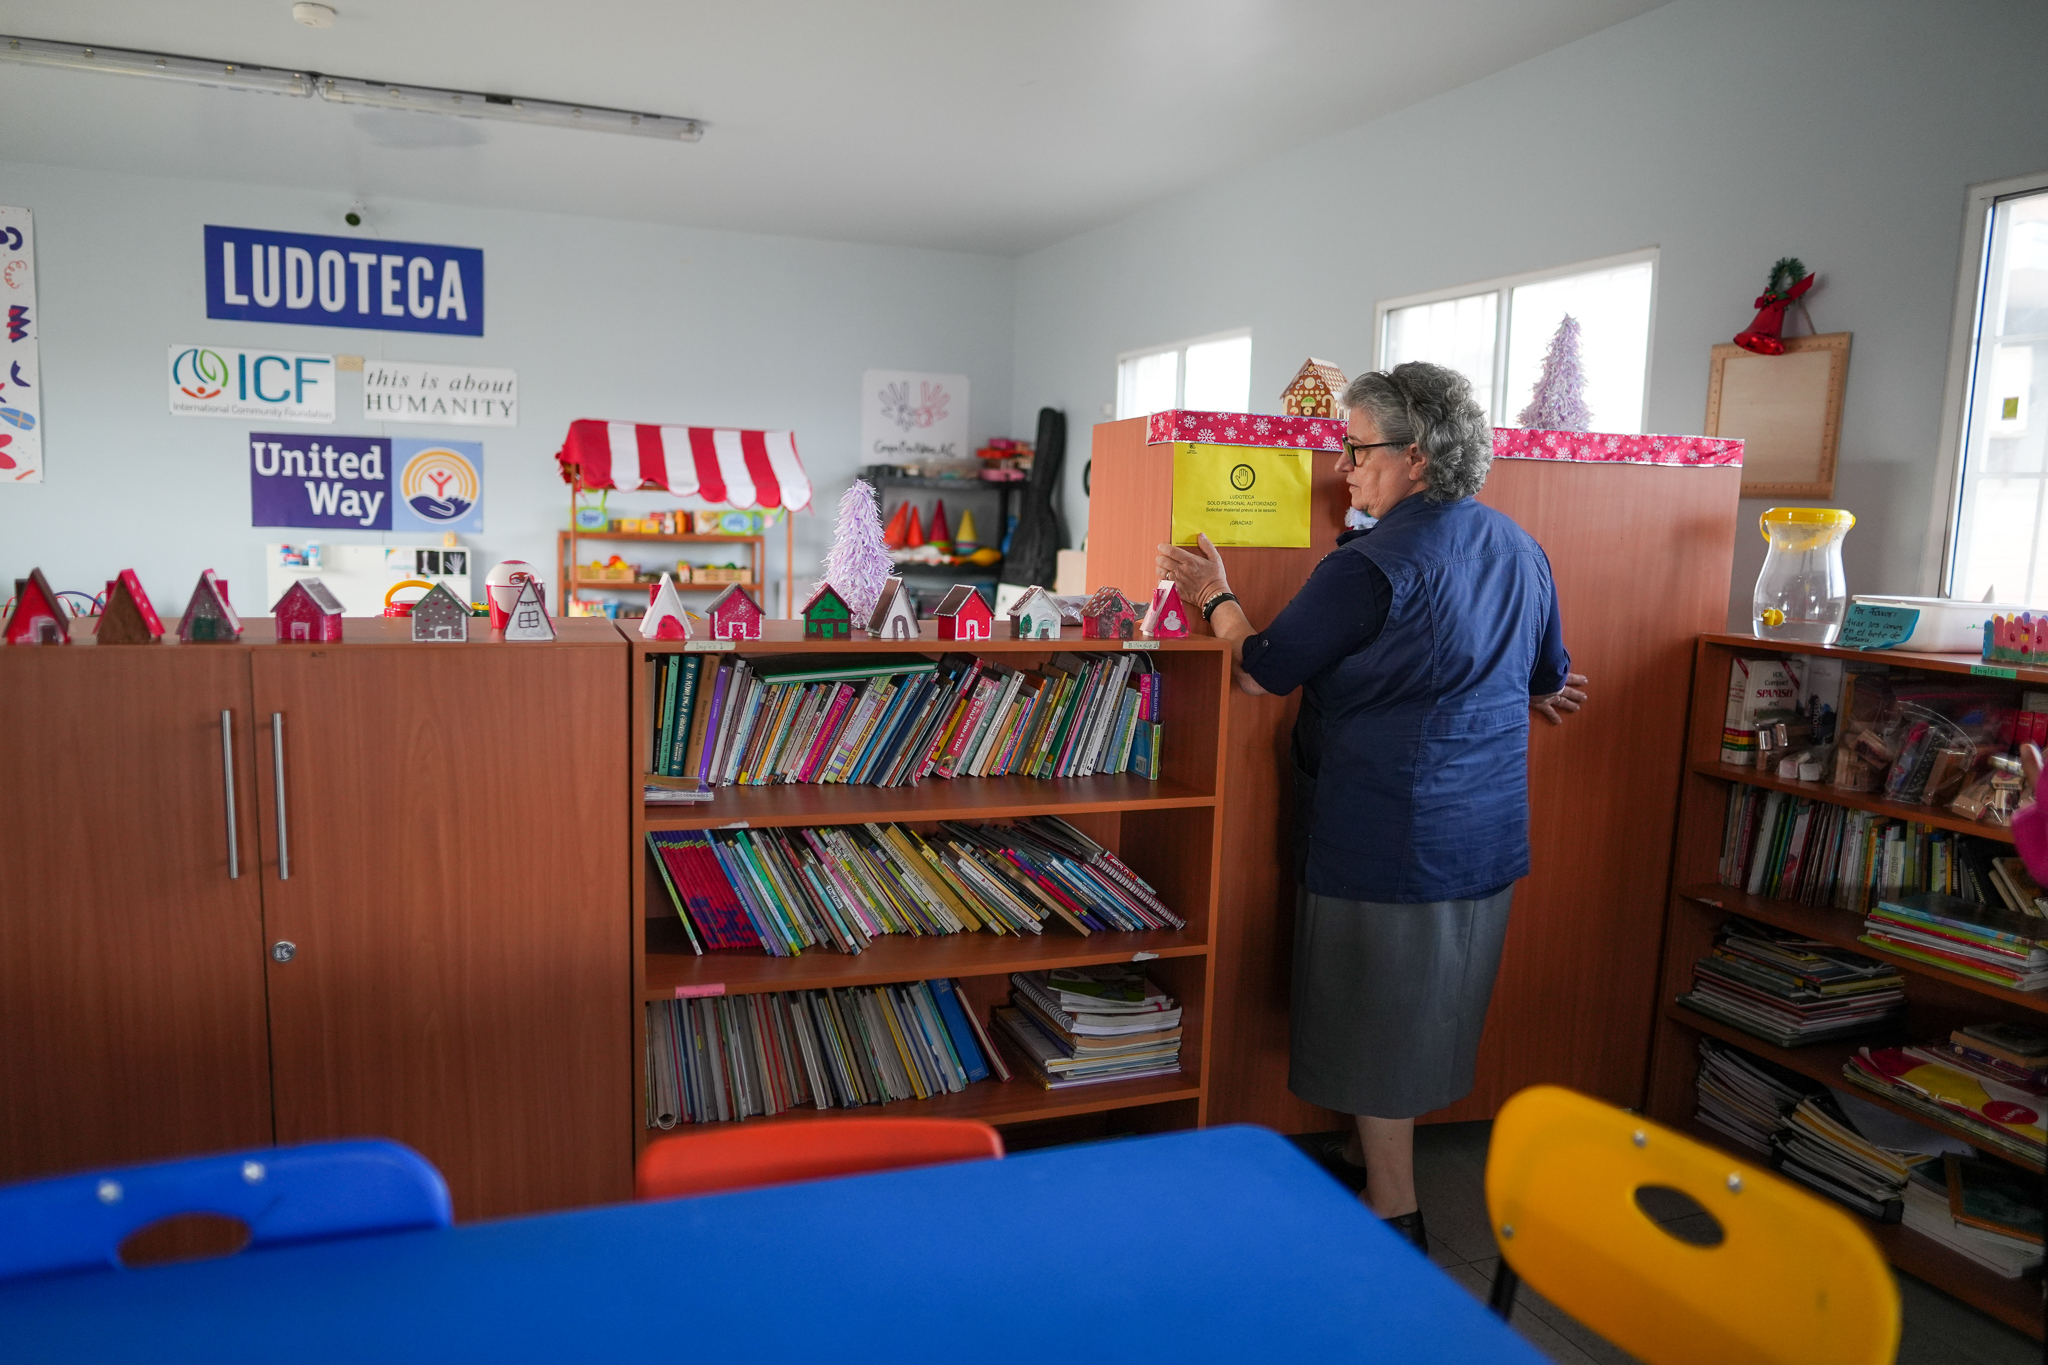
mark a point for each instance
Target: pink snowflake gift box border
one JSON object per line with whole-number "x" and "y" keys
{"x": 1244, "y": 429}
{"x": 1605, "y": 447}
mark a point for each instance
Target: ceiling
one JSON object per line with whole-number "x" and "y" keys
{"x": 995, "y": 126}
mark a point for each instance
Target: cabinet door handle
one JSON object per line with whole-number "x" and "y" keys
{"x": 284, "y": 843}
{"x": 227, "y": 774}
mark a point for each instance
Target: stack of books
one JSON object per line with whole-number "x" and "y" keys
{"x": 893, "y": 720}
{"x": 1791, "y": 990}
{"x": 1980, "y": 1209}
{"x": 1745, "y": 1100}
{"x": 723, "y": 1058}
{"x": 1798, "y": 849}
{"x": 1978, "y": 941}
{"x": 842, "y": 886}
{"x": 2014, "y": 1054}
{"x": 1820, "y": 1148}
{"x": 1932, "y": 1081}
{"x": 1083, "y": 1025}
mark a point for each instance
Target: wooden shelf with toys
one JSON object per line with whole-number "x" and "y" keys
{"x": 574, "y": 572}
{"x": 1826, "y": 903}
{"x": 763, "y": 863}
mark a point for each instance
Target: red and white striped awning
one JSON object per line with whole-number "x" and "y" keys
{"x": 721, "y": 465}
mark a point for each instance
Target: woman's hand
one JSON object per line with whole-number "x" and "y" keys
{"x": 1198, "y": 573}
{"x": 1567, "y": 699}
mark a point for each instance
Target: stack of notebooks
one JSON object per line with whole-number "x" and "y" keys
{"x": 842, "y": 886}
{"x": 1745, "y": 1100}
{"x": 1790, "y": 990}
{"x": 2014, "y": 1054}
{"x": 1821, "y": 1148}
{"x": 1937, "y": 1082}
{"x": 1978, "y": 941}
{"x": 732, "y": 1057}
{"x": 1083, "y": 1025}
{"x": 893, "y": 720}
{"x": 1799, "y": 849}
{"x": 1983, "y": 1210}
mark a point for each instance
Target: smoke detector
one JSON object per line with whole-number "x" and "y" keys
{"x": 312, "y": 15}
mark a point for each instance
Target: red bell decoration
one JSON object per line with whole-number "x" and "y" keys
{"x": 1788, "y": 284}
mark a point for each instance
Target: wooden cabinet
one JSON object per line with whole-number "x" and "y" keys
{"x": 131, "y": 956}
{"x": 442, "y": 857}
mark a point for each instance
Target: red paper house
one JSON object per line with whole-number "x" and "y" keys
{"x": 964, "y": 615}
{"x": 665, "y": 618}
{"x": 127, "y": 618}
{"x": 1166, "y": 618}
{"x": 208, "y": 617}
{"x": 39, "y": 616}
{"x": 1108, "y": 615}
{"x": 735, "y": 615}
{"x": 826, "y": 616}
{"x": 308, "y": 611}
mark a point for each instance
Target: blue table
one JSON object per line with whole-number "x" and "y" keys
{"x": 1226, "y": 1244}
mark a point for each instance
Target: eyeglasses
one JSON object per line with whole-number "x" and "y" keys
{"x": 1352, "y": 449}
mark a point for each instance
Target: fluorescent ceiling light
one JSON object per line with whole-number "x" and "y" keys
{"x": 423, "y": 99}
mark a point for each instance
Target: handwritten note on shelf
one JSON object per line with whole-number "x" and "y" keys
{"x": 1869, "y": 626}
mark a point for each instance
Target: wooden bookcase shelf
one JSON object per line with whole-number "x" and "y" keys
{"x": 1167, "y": 831}
{"x": 1936, "y": 1000}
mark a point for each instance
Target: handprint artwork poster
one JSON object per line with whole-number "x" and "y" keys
{"x": 908, "y": 417}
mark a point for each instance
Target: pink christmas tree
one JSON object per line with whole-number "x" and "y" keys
{"x": 858, "y": 564}
{"x": 1558, "y": 402}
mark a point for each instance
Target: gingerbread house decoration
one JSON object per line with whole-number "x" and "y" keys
{"x": 527, "y": 620}
{"x": 1109, "y": 615}
{"x": 440, "y": 615}
{"x": 1317, "y": 390}
{"x": 964, "y": 615}
{"x": 735, "y": 615}
{"x": 127, "y": 618}
{"x": 209, "y": 619}
{"x": 1035, "y": 616}
{"x": 308, "y": 611}
{"x": 1166, "y": 618}
{"x": 665, "y": 618}
{"x": 39, "y": 616}
{"x": 894, "y": 618}
{"x": 826, "y": 616}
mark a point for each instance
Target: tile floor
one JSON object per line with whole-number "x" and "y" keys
{"x": 1450, "y": 1164}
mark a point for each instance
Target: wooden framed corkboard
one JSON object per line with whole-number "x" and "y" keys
{"x": 1786, "y": 408}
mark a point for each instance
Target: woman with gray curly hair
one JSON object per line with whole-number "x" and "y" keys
{"x": 1422, "y": 646}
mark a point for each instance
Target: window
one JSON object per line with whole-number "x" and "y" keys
{"x": 1210, "y": 374}
{"x": 1496, "y": 333}
{"x": 1998, "y": 525}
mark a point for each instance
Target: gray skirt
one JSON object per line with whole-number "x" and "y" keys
{"x": 1389, "y": 1001}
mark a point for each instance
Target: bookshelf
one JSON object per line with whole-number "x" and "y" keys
{"x": 1937, "y": 1000}
{"x": 1167, "y": 831}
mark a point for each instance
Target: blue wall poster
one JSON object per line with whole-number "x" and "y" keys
{"x": 302, "y": 479}
{"x": 255, "y": 275}
{"x": 437, "y": 485}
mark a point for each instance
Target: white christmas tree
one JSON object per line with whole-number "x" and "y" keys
{"x": 858, "y": 564}
{"x": 1558, "y": 402}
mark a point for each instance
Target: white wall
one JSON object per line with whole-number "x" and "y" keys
{"x": 1727, "y": 133}
{"x": 601, "y": 318}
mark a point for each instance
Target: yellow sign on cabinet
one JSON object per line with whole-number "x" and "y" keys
{"x": 1241, "y": 495}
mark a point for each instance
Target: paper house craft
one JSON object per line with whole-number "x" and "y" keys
{"x": 665, "y": 618}
{"x": 308, "y": 611}
{"x": 208, "y": 617}
{"x": 964, "y": 615}
{"x": 440, "y": 615}
{"x": 1166, "y": 618}
{"x": 735, "y": 615}
{"x": 826, "y": 616}
{"x": 127, "y": 618}
{"x": 1316, "y": 390}
{"x": 894, "y": 617}
{"x": 39, "y": 616}
{"x": 1035, "y": 616}
{"x": 528, "y": 618}
{"x": 1109, "y": 615}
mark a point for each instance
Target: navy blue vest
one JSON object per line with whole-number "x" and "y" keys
{"x": 1422, "y": 789}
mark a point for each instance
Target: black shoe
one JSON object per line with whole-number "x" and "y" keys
{"x": 1409, "y": 1225}
{"x": 1328, "y": 1150}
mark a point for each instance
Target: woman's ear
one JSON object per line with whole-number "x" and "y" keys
{"x": 1417, "y": 463}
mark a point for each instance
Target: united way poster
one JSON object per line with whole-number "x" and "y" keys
{"x": 437, "y": 485}
{"x": 21, "y": 382}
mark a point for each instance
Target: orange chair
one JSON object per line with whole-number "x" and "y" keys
{"x": 746, "y": 1155}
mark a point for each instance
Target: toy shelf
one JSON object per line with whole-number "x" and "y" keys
{"x": 692, "y": 586}
{"x": 1936, "y": 1000}
{"x": 1167, "y": 831}
{"x": 568, "y": 547}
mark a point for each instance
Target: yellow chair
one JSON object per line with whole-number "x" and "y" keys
{"x": 1793, "y": 1280}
